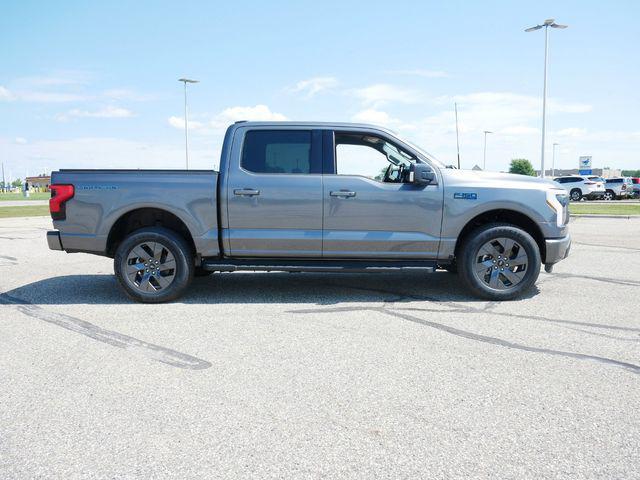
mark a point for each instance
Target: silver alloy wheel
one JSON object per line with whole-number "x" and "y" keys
{"x": 576, "y": 195}
{"x": 150, "y": 267}
{"x": 501, "y": 263}
{"x": 608, "y": 195}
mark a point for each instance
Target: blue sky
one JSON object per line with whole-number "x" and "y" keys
{"x": 94, "y": 84}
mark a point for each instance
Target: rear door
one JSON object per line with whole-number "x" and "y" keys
{"x": 368, "y": 212}
{"x": 274, "y": 193}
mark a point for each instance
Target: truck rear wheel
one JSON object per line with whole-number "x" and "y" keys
{"x": 154, "y": 265}
{"x": 499, "y": 262}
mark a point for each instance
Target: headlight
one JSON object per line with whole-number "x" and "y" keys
{"x": 558, "y": 202}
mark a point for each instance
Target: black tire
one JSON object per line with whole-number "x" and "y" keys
{"x": 609, "y": 195}
{"x": 180, "y": 268}
{"x": 576, "y": 194}
{"x": 470, "y": 258}
{"x": 201, "y": 272}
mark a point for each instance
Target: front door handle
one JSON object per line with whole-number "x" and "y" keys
{"x": 342, "y": 193}
{"x": 246, "y": 192}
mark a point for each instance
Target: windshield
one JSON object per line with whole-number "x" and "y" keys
{"x": 422, "y": 152}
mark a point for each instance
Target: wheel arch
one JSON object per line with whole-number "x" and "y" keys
{"x": 142, "y": 217}
{"x": 512, "y": 217}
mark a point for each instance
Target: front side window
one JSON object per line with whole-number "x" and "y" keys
{"x": 372, "y": 157}
{"x": 278, "y": 151}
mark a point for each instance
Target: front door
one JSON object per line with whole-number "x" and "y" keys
{"x": 370, "y": 209}
{"x": 274, "y": 194}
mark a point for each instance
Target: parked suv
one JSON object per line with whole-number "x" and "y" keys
{"x": 636, "y": 187}
{"x": 578, "y": 187}
{"x": 617, "y": 188}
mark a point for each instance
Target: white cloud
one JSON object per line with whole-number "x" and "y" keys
{"x": 106, "y": 112}
{"x": 127, "y": 94}
{"x": 571, "y": 132}
{"x": 378, "y": 117}
{"x": 258, "y": 113}
{"x": 101, "y": 152}
{"x": 420, "y": 72}
{"x": 382, "y": 93}
{"x": 20, "y": 141}
{"x": 5, "y": 94}
{"x": 178, "y": 122}
{"x": 313, "y": 86}
{"x": 518, "y": 130}
{"x": 222, "y": 120}
{"x": 50, "y": 97}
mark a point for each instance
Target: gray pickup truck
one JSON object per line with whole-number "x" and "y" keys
{"x": 329, "y": 197}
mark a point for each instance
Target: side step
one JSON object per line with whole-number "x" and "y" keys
{"x": 336, "y": 266}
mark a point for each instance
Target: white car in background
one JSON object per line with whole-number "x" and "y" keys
{"x": 590, "y": 187}
{"x": 619, "y": 188}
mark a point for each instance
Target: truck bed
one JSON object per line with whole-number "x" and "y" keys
{"x": 104, "y": 197}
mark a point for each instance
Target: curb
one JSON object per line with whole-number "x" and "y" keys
{"x": 593, "y": 215}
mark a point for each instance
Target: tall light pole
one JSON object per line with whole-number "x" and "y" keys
{"x": 547, "y": 23}
{"x": 553, "y": 160}
{"x": 186, "y": 121}
{"x": 455, "y": 106}
{"x": 484, "y": 157}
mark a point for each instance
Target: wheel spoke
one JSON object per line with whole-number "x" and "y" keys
{"x": 135, "y": 268}
{"x": 144, "y": 283}
{"x": 482, "y": 267}
{"x": 157, "y": 250}
{"x": 168, "y": 264}
{"x": 163, "y": 281}
{"x": 520, "y": 259}
{"x": 138, "y": 252}
{"x": 493, "y": 279}
{"x": 514, "y": 277}
{"x": 508, "y": 245}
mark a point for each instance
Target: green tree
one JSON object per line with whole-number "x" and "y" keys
{"x": 16, "y": 183}
{"x": 631, "y": 173}
{"x": 522, "y": 166}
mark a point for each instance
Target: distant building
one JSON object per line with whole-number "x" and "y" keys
{"x": 40, "y": 183}
{"x": 601, "y": 172}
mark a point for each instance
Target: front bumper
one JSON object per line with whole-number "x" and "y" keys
{"x": 53, "y": 239}
{"x": 556, "y": 249}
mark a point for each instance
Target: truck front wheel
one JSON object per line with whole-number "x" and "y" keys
{"x": 154, "y": 265}
{"x": 499, "y": 262}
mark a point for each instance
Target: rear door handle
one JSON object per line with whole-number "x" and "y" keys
{"x": 342, "y": 193}
{"x": 246, "y": 192}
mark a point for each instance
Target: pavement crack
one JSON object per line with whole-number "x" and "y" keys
{"x": 110, "y": 337}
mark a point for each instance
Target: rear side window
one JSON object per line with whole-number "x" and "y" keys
{"x": 278, "y": 151}
{"x": 614, "y": 180}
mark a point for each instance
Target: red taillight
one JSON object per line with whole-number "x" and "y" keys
{"x": 59, "y": 195}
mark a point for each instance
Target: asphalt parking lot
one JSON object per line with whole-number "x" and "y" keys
{"x": 276, "y": 375}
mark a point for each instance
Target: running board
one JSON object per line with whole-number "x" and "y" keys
{"x": 336, "y": 266}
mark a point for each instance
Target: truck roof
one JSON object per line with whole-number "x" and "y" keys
{"x": 311, "y": 124}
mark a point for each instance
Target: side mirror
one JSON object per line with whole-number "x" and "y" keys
{"x": 421, "y": 174}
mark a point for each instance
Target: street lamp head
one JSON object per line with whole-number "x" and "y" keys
{"x": 550, "y": 22}
{"x": 188, "y": 80}
{"x": 487, "y": 131}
